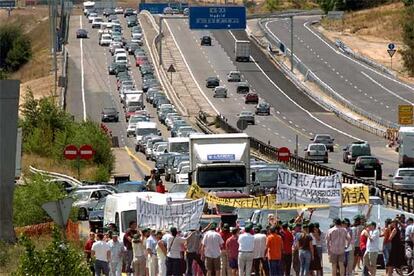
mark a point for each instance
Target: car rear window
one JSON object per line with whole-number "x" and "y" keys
{"x": 406, "y": 173}
{"x": 361, "y": 150}
{"x": 367, "y": 161}
{"x": 317, "y": 147}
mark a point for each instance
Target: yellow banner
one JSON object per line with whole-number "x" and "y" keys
{"x": 352, "y": 194}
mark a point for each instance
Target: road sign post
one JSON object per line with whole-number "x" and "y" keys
{"x": 85, "y": 152}
{"x": 391, "y": 51}
{"x": 59, "y": 211}
{"x": 405, "y": 114}
{"x": 283, "y": 154}
{"x": 217, "y": 18}
{"x": 171, "y": 70}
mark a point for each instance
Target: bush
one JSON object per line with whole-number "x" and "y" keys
{"x": 59, "y": 258}
{"x": 101, "y": 174}
{"x": 408, "y": 38}
{"x": 272, "y": 5}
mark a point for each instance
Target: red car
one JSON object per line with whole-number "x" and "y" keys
{"x": 251, "y": 98}
{"x": 140, "y": 60}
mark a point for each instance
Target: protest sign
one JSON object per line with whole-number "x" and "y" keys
{"x": 184, "y": 216}
{"x": 301, "y": 188}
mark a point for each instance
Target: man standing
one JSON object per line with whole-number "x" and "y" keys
{"x": 409, "y": 233}
{"x": 274, "y": 247}
{"x": 117, "y": 252}
{"x": 246, "y": 246}
{"x": 337, "y": 239}
{"x": 232, "y": 246}
{"x": 287, "y": 238}
{"x": 127, "y": 241}
{"x": 88, "y": 248}
{"x": 152, "y": 261}
{"x": 211, "y": 244}
{"x": 193, "y": 249}
{"x": 371, "y": 253}
{"x": 152, "y": 182}
{"x": 259, "y": 251}
{"x": 225, "y": 234}
{"x": 102, "y": 253}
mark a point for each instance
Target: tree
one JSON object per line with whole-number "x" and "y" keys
{"x": 272, "y": 5}
{"x": 15, "y": 47}
{"x": 408, "y": 38}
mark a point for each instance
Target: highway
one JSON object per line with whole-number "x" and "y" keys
{"x": 293, "y": 113}
{"x": 375, "y": 92}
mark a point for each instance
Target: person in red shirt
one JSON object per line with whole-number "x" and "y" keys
{"x": 160, "y": 188}
{"x": 225, "y": 235}
{"x": 232, "y": 248}
{"x": 274, "y": 249}
{"x": 88, "y": 249}
{"x": 287, "y": 238}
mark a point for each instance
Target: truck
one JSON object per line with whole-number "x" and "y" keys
{"x": 134, "y": 100}
{"x": 178, "y": 144}
{"x": 406, "y": 147}
{"x": 220, "y": 162}
{"x": 242, "y": 50}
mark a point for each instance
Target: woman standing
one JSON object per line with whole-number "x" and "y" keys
{"x": 306, "y": 254}
{"x": 397, "y": 254}
{"x": 161, "y": 254}
{"x": 315, "y": 264}
{"x": 138, "y": 261}
{"x": 386, "y": 247}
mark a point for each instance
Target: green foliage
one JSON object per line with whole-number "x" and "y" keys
{"x": 408, "y": 2}
{"x": 28, "y": 200}
{"x": 101, "y": 174}
{"x": 408, "y": 38}
{"x": 272, "y": 5}
{"x": 350, "y": 5}
{"x": 59, "y": 258}
{"x": 15, "y": 47}
{"x": 4, "y": 253}
{"x": 3, "y": 74}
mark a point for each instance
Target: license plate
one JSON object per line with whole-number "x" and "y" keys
{"x": 369, "y": 167}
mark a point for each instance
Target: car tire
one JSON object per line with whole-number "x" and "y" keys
{"x": 325, "y": 161}
{"x": 136, "y": 148}
{"x": 331, "y": 150}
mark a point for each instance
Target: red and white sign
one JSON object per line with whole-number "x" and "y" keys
{"x": 283, "y": 154}
{"x": 86, "y": 152}
{"x": 71, "y": 152}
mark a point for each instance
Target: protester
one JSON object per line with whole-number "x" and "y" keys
{"x": 175, "y": 258}
{"x": 152, "y": 182}
{"x": 397, "y": 254}
{"x": 349, "y": 250}
{"x": 274, "y": 249}
{"x": 127, "y": 241}
{"x": 246, "y": 246}
{"x": 371, "y": 253}
{"x": 117, "y": 253}
{"x": 102, "y": 253}
{"x": 87, "y": 250}
{"x": 192, "y": 254}
{"x": 409, "y": 234}
{"x": 315, "y": 264}
{"x": 211, "y": 245}
{"x": 337, "y": 240}
{"x": 232, "y": 247}
{"x": 259, "y": 252}
{"x": 287, "y": 238}
{"x": 386, "y": 246}
{"x": 320, "y": 238}
{"x": 161, "y": 254}
{"x": 138, "y": 260}
{"x": 305, "y": 251}
{"x": 357, "y": 228}
{"x": 225, "y": 234}
{"x": 363, "y": 239}
{"x": 297, "y": 234}
{"x": 152, "y": 261}
{"x": 160, "y": 188}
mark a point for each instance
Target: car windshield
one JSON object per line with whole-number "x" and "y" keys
{"x": 185, "y": 169}
{"x": 100, "y": 205}
{"x": 179, "y": 188}
{"x": 317, "y": 147}
{"x": 81, "y": 195}
{"x": 406, "y": 173}
{"x": 266, "y": 175}
{"x": 221, "y": 177}
{"x": 161, "y": 148}
{"x": 146, "y": 131}
{"x": 109, "y": 110}
{"x": 246, "y": 113}
{"x": 322, "y": 138}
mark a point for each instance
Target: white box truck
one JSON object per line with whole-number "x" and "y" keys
{"x": 220, "y": 161}
{"x": 242, "y": 50}
{"x": 406, "y": 147}
{"x": 134, "y": 100}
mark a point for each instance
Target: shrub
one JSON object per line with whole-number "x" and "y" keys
{"x": 15, "y": 47}
{"x": 408, "y": 38}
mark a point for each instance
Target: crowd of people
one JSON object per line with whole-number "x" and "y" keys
{"x": 279, "y": 248}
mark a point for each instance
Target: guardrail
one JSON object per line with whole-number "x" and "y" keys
{"x": 64, "y": 77}
{"x": 396, "y": 199}
{"x": 56, "y": 175}
{"x": 311, "y": 76}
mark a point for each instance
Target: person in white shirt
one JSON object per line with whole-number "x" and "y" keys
{"x": 117, "y": 251}
{"x": 246, "y": 246}
{"x": 211, "y": 244}
{"x": 259, "y": 251}
{"x": 175, "y": 247}
{"x": 102, "y": 253}
{"x": 150, "y": 245}
{"x": 138, "y": 259}
{"x": 371, "y": 253}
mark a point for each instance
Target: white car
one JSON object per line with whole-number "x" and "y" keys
{"x": 97, "y": 22}
{"x": 158, "y": 149}
{"x": 220, "y": 92}
{"x": 402, "y": 179}
{"x": 234, "y": 76}
{"x": 92, "y": 16}
{"x": 119, "y": 10}
{"x": 182, "y": 176}
{"x": 316, "y": 152}
{"x": 131, "y": 129}
{"x": 139, "y": 41}
{"x": 106, "y": 39}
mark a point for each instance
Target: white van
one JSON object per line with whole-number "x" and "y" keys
{"x": 121, "y": 58}
{"x": 406, "y": 147}
{"x": 143, "y": 129}
{"x": 121, "y": 208}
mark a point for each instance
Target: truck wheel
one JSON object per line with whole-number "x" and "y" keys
{"x": 325, "y": 161}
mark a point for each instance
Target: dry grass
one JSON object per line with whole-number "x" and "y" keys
{"x": 63, "y": 167}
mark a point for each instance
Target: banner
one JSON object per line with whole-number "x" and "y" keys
{"x": 185, "y": 216}
{"x": 352, "y": 194}
{"x": 301, "y": 188}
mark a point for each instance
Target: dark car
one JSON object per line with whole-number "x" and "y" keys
{"x": 212, "y": 82}
{"x": 369, "y": 166}
{"x": 251, "y": 97}
{"x": 110, "y": 114}
{"x": 242, "y": 87}
{"x": 128, "y": 12}
{"x": 131, "y": 47}
{"x": 132, "y": 186}
{"x": 356, "y": 149}
{"x": 108, "y": 12}
{"x": 131, "y": 22}
{"x": 96, "y": 215}
{"x": 111, "y": 68}
{"x": 205, "y": 41}
{"x": 161, "y": 162}
{"x": 263, "y": 109}
{"x": 81, "y": 33}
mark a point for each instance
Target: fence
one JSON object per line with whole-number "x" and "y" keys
{"x": 63, "y": 83}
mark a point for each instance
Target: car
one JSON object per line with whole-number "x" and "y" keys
{"x": 87, "y": 198}
{"x": 105, "y": 40}
{"x": 132, "y": 186}
{"x": 97, "y": 22}
{"x": 212, "y": 82}
{"x": 112, "y": 17}
{"x": 81, "y": 33}
{"x": 234, "y": 76}
{"x": 403, "y": 179}
{"x": 247, "y": 116}
{"x": 128, "y": 12}
{"x": 263, "y": 108}
{"x": 168, "y": 10}
{"x": 325, "y": 139}
{"x": 96, "y": 215}
{"x": 158, "y": 149}
{"x": 161, "y": 161}
{"x": 186, "y": 12}
{"x": 251, "y": 97}
{"x": 355, "y": 149}
{"x": 368, "y": 166}
{"x": 220, "y": 92}
{"x": 131, "y": 22}
{"x": 107, "y": 12}
{"x": 111, "y": 68}
{"x": 205, "y": 41}
{"x": 119, "y": 10}
{"x": 182, "y": 175}
{"x": 131, "y": 47}
{"x": 242, "y": 87}
{"x": 109, "y": 114}
{"x": 92, "y": 16}
{"x": 316, "y": 152}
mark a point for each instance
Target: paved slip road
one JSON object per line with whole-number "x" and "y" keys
{"x": 293, "y": 113}
{"x": 374, "y": 92}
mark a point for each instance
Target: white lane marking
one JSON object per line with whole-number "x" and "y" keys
{"x": 355, "y": 61}
{"x": 189, "y": 69}
{"x": 82, "y": 72}
{"x": 385, "y": 88}
{"x": 295, "y": 103}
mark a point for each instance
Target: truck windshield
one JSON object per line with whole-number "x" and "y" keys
{"x": 221, "y": 177}
{"x": 146, "y": 131}
{"x": 180, "y": 147}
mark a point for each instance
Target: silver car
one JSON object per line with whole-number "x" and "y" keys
{"x": 316, "y": 152}
{"x": 403, "y": 179}
{"x": 247, "y": 116}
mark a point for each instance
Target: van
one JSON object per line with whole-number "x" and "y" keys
{"x": 356, "y": 149}
{"x": 406, "y": 147}
{"x": 143, "y": 129}
{"x": 121, "y": 58}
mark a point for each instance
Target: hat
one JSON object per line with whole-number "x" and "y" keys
{"x": 285, "y": 225}
{"x": 135, "y": 237}
{"x": 226, "y": 226}
{"x": 248, "y": 228}
{"x": 213, "y": 225}
{"x": 114, "y": 234}
{"x": 316, "y": 224}
{"x": 372, "y": 223}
